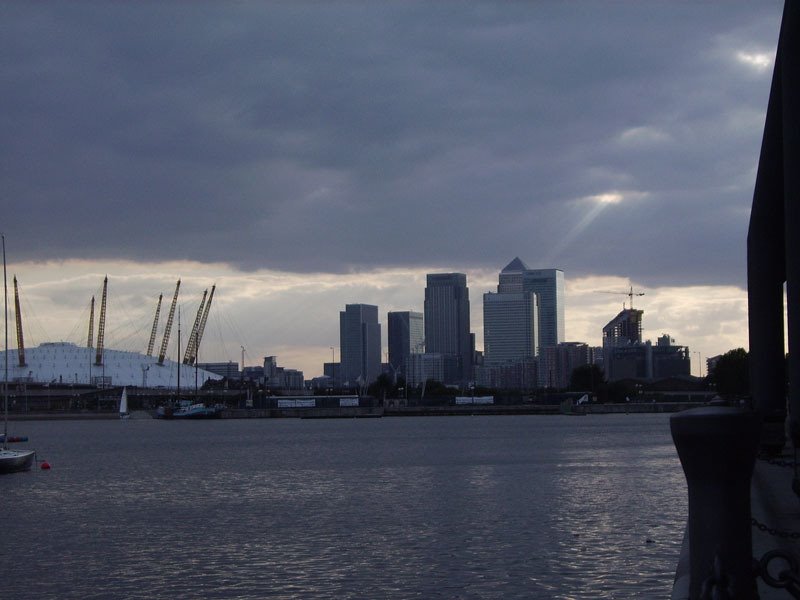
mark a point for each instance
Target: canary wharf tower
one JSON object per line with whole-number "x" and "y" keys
{"x": 548, "y": 285}
{"x": 447, "y": 322}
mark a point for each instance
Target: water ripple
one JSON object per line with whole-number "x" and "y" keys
{"x": 491, "y": 507}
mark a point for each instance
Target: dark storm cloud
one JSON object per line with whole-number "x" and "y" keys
{"x": 338, "y": 136}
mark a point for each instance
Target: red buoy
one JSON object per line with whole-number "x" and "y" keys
{"x": 45, "y": 465}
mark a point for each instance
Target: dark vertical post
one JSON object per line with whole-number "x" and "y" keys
{"x": 771, "y": 246}
{"x": 789, "y": 49}
{"x": 717, "y": 447}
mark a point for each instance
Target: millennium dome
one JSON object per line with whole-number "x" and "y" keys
{"x": 64, "y": 363}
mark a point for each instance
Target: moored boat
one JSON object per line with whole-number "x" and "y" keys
{"x": 197, "y": 411}
{"x": 185, "y": 410}
{"x": 123, "y": 405}
{"x": 11, "y": 461}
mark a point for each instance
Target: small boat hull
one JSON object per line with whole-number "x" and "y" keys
{"x": 197, "y": 411}
{"x": 14, "y": 461}
{"x": 194, "y": 411}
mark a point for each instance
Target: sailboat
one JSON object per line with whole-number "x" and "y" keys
{"x": 123, "y": 405}
{"x": 11, "y": 461}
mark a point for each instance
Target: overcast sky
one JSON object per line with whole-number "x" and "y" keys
{"x": 307, "y": 155}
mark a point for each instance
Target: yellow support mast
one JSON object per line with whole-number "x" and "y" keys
{"x": 188, "y": 357}
{"x": 155, "y": 327}
{"x": 101, "y": 328}
{"x": 90, "y": 339}
{"x": 18, "y": 315}
{"x": 163, "y": 352}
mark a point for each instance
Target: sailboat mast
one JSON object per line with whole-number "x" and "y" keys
{"x": 5, "y": 348}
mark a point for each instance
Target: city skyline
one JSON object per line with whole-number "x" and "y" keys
{"x": 673, "y": 311}
{"x": 407, "y": 139}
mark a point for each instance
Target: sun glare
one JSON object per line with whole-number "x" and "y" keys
{"x": 757, "y": 60}
{"x": 607, "y": 198}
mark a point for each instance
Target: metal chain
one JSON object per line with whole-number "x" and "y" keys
{"x": 790, "y": 535}
{"x": 787, "y": 579}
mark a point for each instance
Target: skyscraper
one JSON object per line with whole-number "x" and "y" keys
{"x": 406, "y": 336}
{"x": 447, "y": 322}
{"x": 625, "y": 329}
{"x": 360, "y": 344}
{"x": 548, "y": 284}
{"x": 510, "y": 327}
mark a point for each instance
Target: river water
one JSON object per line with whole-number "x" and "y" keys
{"x": 437, "y": 507}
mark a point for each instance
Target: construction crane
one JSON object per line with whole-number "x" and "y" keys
{"x": 155, "y": 327}
{"x": 101, "y": 328}
{"x": 202, "y": 326}
{"x": 630, "y": 294}
{"x": 18, "y": 314}
{"x": 163, "y": 352}
{"x": 90, "y": 339}
{"x": 191, "y": 344}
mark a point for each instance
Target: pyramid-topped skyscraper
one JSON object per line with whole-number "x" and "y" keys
{"x": 548, "y": 285}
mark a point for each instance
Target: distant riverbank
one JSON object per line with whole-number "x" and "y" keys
{"x": 394, "y": 411}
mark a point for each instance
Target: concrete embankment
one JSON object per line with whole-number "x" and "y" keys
{"x": 346, "y": 412}
{"x": 638, "y": 407}
{"x": 355, "y": 412}
{"x": 340, "y": 412}
{"x": 539, "y": 409}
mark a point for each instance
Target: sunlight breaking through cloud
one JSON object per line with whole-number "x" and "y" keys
{"x": 608, "y": 198}
{"x": 643, "y": 135}
{"x": 760, "y": 61}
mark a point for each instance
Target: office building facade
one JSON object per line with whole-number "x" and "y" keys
{"x": 360, "y": 344}
{"x": 447, "y": 329}
{"x": 548, "y": 285}
{"x": 510, "y": 327}
{"x": 406, "y": 332}
{"x": 556, "y": 363}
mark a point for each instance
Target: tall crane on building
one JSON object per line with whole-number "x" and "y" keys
{"x": 90, "y": 339}
{"x": 18, "y": 315}
{"x": 630, "y": 294}
{"x": 192, "y": 343}
{"x": 155, "y": 327}
{"x": 101, "y": 328}
{"x": 163, "y": 352}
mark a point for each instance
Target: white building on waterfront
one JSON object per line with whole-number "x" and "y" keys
{"x": 64, "y": 363}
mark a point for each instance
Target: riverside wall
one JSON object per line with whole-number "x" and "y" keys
{"x": 347, "y": 412}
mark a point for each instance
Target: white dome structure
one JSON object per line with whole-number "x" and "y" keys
{"x": 64, "y": 363}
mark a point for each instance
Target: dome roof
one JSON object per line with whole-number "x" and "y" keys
{"x": 64, "y": 363}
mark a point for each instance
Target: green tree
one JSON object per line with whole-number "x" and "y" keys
{"x": 586, "y": 378}
{"x": 621, "y": 391}
{"x": 731, "y": 375}
{"x": 382, "y": 387}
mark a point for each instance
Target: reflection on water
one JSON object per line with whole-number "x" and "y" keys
{"x": 480, "y": 507}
